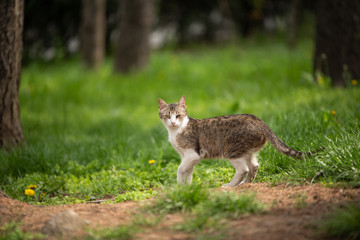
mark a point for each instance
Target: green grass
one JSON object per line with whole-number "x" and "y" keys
{"x": 204, "y": 209}
{"x": 91, "y": 134}
{"x": 180, "y": 198}
{"x": 212, "y": 213}
{"x": 121, "y": 232}
{"x": 12, "y": 231}
{"x": 342, "y": 223}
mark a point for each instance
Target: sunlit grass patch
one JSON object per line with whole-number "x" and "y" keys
{"x": 136, "y": 195}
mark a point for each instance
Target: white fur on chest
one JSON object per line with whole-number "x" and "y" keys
{"x": 173, "y": 133}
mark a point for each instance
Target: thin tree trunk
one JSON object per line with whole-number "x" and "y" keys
{"x": 337, "y": 42}
{"x": 11, "y": 27}
{"x": 293, "y": 22}
{"x": 93, "y": 32}
{"x": 135, "y": 23}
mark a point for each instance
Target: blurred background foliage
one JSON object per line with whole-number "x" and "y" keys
{"x": 130, "y": 30}
{"x": 52, "y": 29}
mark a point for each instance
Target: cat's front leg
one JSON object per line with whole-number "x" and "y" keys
{"x": 184, "y": 174}
{"x": 186, "y": 168}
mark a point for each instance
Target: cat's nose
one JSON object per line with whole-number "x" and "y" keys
{"x": 172, "y": 123}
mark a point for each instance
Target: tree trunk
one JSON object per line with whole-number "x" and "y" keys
{"x": 93, "y": 32}
{"x": 293, "y": 22}
{"x": 337, "y": 42}
{"x": 11, "y": 27}
{"x": 135, "y": 23}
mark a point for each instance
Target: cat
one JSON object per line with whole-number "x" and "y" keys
{"x": 237, "y": 138}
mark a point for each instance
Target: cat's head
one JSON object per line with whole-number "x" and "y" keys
{"x": 172, "y": 114}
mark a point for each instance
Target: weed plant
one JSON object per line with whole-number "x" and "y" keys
{"x": 93, "y": 134}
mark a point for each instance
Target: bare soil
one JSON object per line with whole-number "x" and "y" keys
{"x": 292, "y": 213}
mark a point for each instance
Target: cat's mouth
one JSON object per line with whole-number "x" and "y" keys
{"x": 173, "y": 126}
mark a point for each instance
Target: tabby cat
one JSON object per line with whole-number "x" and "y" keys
{"x": 234, "y": 137}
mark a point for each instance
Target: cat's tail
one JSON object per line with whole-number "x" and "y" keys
{"x": 280, "y": 146}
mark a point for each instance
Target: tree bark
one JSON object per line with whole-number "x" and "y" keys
{"x": 337, "y": 42}
{"x": 135, "y": 23}
{"x": 93, "y": 32}
{"x": 11, "y": 27}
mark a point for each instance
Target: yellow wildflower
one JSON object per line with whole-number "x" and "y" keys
{"x": 151, "y": 161}
{"x": 32, "y": 186}
{"x": 333, "y": 112}
{"x": 29, "y": 192}
{"x": 354, "y": 82}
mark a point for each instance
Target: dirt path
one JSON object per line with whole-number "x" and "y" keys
{"x": 291, "y": 213}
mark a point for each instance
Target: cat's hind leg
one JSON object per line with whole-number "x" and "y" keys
{"x": 241, "y": 169}
{"x": 253, "y": 168}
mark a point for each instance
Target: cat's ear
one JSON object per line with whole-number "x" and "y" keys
{"x": 162, "y": 104}
{"x": 182, "y": 102}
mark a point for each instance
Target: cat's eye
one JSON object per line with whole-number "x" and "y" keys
{"x": 167, "y": 116}
{"x": 178, "y": 116}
